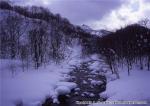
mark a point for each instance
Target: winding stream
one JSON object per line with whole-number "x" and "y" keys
{"x": 89, "y": 85}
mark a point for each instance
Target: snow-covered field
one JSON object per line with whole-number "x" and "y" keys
{"x": 129, "y": 88}
{"x": 32, "y": 86}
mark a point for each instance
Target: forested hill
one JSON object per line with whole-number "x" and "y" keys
{"x": 127, "y": 46}
{"x": 43, "y": 14}
{"x": 35, "y": 34}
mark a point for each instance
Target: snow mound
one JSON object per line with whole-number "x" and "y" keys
{"x": 94, "y": 82}
{"x": 134, "y": 87}
{"x": 31, "y": 87}
{"x": 69, "y": 85}
{"x": 62, "y": 90}
{"x": 129, "y": 88}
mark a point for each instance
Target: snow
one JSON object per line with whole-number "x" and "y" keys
{"x": 70, "y": 85}
{"x": 92, "y": 95}
{"x": 145, "y": 40}
{"x": 95, "y": 82}
{"x": 84, "y": 82}
{"x": 77, "y": 89}
{"x": 95, "y": 66}
{"x": 128, "y": 88}
{"x": 33, "y": 86}
{"x": 135, "y": 85}
{"x": 63, "y": 88}
{"x": 100, "y": 32}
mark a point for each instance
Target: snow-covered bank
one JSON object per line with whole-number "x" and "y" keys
{"x": 134, "y": 87}
{"x": 129, "y": 88}
{"x": 33, "y": 86}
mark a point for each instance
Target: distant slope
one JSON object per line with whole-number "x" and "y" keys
{"x": 36, "y": 33}
{"x": 56, "y": 34}
{"x": 98, "y": 33}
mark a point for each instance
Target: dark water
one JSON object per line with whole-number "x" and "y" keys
{"x": 85, "y": 91}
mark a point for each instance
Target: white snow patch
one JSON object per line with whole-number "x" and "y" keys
{"x": 95, "y": 66}
{"x": 95, "y": 82}
{"x": 31, "y": 86}
{"x": 128, "y": 88}
{"x": 61, "y": 90}
{"x": 134, "y": 87}
{"x": 84, "y": 82}
{"x": 69, "y": 85}
{"x": 92, "y": 95}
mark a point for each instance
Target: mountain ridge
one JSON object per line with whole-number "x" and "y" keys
{"x": 99, "y": 33}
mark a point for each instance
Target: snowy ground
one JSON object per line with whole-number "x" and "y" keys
{"x": 129, "y": 88}
{"x": 31, "y": 87}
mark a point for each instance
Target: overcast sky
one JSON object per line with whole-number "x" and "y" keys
{"x": 98, "y": 14}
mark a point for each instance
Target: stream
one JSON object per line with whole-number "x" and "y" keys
{"x": 89, "y": 85}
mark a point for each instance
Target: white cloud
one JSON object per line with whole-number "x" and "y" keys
{"x": 34, "y": 2}
{"x": 77, "y": 11}
{"x": 131, "y": 11}
{"x": 97, "y": 13}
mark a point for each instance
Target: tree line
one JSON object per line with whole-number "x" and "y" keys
{"x": 34, "y": 34}
{"x": 126, "y": 46}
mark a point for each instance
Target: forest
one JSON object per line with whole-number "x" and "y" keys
{"x": 43, "y": 55}
{"x": 35, "y": 34}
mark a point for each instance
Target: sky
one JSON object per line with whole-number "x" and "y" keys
{"x": 98, "y": 14}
